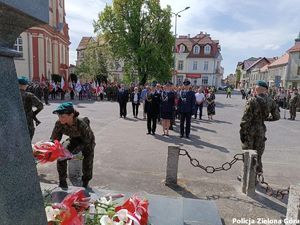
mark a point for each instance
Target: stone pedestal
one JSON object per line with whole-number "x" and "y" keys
{"x": 293, "y": 208}
{"x": 172, "y": 165}
{"x": 20, "y": 196}
{"x": 249, "y": 174}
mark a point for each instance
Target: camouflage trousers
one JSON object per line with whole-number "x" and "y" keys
{"x": 293, "y": 111}
{"x": 257, "y": 143}
{"x": 87, "y": 162}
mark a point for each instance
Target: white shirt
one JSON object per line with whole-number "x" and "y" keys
{"x": 199, "y": 97}
{"x": 135, "y": 98}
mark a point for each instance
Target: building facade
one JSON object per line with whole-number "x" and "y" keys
{"x": 115, "y": 67}
{"x": 293, "y": 69}
{"x": 45, "y": 49}
{"x": 198, "y": 59}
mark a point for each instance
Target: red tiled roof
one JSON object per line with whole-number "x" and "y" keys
{"x": 249, "y": 62}
{"x": 280, "y": 61}
{"x": 83, "y": 43}
{"x": 295, "y": 48}
{"x": 201, "y": 39}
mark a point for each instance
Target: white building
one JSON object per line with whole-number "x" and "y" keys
{"x": 198, "y": 59}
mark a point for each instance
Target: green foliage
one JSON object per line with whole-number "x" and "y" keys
{"x": 95, "y": 63}
{"x": 138, "y": 31}
{"x": 238, "y": 75}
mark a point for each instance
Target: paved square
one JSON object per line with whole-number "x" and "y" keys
{"x": 126, "y": 159}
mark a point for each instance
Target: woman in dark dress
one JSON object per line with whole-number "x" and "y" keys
{"x": 210, "y": 100}
{"x": 167, "y": 108}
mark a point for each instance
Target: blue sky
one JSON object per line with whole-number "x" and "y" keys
{"x": 244, "y": 28}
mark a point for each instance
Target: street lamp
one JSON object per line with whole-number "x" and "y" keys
{"x": 177, "y": 15}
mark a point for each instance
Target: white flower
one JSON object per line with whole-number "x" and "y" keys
{"x": 122, "y": 215}
{"x": 51, "y": 213}
{"x": 104, "y": 201}
{"x": 105, "y": 220}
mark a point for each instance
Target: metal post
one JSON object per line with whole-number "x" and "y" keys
{"x": 293, "y": 207}
{"x": 172, "y": 165}
{"x": 249, "y": 173}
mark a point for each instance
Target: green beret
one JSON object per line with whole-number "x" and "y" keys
{"x": 262, "y": 83}
{"x": 23, "y": 80}
{"x": 64, "y": 108}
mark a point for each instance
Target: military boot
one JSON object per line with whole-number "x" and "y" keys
{"x": 63, "y": 184}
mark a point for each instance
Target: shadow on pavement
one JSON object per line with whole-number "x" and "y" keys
{"x": 182, "y": 191}
{"x": 192, "y": 141}
{"x": 268, "y": 203}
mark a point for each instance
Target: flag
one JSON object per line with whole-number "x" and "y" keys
{"x": 63, "y": 84}
{"x": 78, "y": 86}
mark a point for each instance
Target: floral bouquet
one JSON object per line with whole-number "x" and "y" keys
{"x": 45, "y": 152}
{"x": 76, "y": 210}
{"x": 69, "y": 211}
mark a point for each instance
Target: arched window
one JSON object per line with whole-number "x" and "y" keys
{"x": 182, "y": 48}
{"x": 207, "y": 49}
{"x": 196, "y": 49}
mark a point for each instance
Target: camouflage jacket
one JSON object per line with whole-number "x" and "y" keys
{"x": 80, "y": 130}
{"x": 295, "y": 100}
{"x": 258, "y": 109}
{"x": 29, "y": 101}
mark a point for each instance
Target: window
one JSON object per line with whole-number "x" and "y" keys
{"x": 207, "y": 49}
{"x": 298, "y": 72}
{"x": 182, "y": 48}
{"x": 180, "y": 65}
{"x": 196, "y": 49}
{"x": 62, "y": 55}
{"x": 205, "y": 68}
{"x": 195, "y": 64}
{"x": 18, "y": 46}
{"x": 204, "y": 80}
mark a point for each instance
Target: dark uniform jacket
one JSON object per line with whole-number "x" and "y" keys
{"x": 80, "y": 134}
{"x": 168, "y": 101}
{"x": 123, "y": 96}
{"x": 152, "y": 104}
{"x": 186, "y": 102}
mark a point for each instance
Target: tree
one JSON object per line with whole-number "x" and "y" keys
{"x": 138, "y": 31}
{"x": 238, "y": 76}
{"x": 95, "y": 63}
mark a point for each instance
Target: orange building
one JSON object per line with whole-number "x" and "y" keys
{"x": 45, "y": 49}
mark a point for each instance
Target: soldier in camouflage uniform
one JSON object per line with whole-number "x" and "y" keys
{"x": 294, "y": 102}
{"x": 258, "y": 109}
{"x": 29, "y": 101}
{"x": 81, "y": 138}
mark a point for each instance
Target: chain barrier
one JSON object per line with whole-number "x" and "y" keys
{"x": 280, "y": 193}
{"x": 211, "y": 169}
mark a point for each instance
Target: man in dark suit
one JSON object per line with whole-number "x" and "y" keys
{"x": 152, "y": 105}
{"x": 186, "y": 106}
{"x": 123, "y": 99}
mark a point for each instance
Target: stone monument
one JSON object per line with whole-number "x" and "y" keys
{"x": 20, "y": 193}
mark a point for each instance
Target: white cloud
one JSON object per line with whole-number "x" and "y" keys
{"x": 244, "y": 28}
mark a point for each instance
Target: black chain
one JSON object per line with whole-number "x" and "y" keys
{"x": 280, "y": 193}
{"x": 211, "y": 169}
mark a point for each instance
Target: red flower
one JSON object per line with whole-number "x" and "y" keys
{"x": 137, "y": 209}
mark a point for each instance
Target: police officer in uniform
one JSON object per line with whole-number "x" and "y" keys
{"x": 29, "y": 101}
{"x": 186, "y": 106}
{"x": 81, "y": 138}
{"x": 258, "y": 109}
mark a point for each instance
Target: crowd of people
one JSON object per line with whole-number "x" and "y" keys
{"x": 165, "y": 103}
{"x": 287, "y": 99}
